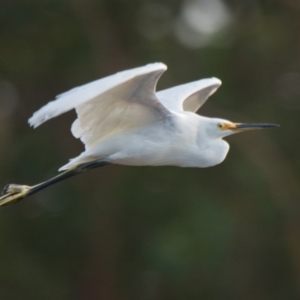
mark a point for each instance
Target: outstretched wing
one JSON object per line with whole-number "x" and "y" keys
{"x": 106, "y": 106}
{"x": 190, "y": 96}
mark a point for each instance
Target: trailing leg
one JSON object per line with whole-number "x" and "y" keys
{"x": 14, "y": 192}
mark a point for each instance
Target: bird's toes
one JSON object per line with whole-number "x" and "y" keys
{"x": 13, "y": 193}
{"x": 14, "y": 189}
{"x": 5, "y": 189}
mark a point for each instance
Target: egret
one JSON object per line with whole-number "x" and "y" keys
{"x": 121, "y": 119}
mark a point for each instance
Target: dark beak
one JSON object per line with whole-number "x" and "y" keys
{"x": 251, "y": 126}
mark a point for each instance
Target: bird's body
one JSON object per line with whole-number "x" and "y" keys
{"x": 176, "y": 142}
{"x": 121, "y": 119}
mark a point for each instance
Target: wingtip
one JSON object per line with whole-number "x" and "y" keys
{"x": 158, "y": 65}
{"x": 33, "y": 122}
{"x": 30, "y": 122}
{"x": 217, "y": 80}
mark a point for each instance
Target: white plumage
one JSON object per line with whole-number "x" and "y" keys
{"x": 122, "y": 119}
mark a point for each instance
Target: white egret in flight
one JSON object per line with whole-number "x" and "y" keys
{"x": 121, "y": 119}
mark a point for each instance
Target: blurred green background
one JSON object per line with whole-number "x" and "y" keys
{"x": 227, "y": 232}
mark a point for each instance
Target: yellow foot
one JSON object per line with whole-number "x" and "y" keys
{"x": 13, "y": 193}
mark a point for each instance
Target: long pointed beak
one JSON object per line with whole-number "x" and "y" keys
{"x": 238, "y": 127}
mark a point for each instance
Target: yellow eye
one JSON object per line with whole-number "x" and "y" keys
{"x": 220, "y": 125}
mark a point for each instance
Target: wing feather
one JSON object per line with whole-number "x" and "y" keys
{"x": 79, "y": 95}
{"x": 190, "y": 96}
{"x": 104, "y": 107}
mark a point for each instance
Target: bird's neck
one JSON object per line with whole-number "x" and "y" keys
{"x": 214, "y": 152}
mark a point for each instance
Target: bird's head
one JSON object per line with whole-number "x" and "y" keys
{"x": 219, "y": 128}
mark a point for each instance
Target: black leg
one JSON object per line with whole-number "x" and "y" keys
{"x": 15, "y": 192}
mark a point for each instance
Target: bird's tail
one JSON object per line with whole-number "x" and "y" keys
{"x": 74, "y": 162}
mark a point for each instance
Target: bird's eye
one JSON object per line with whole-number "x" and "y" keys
{"x": 220, "y": 125}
